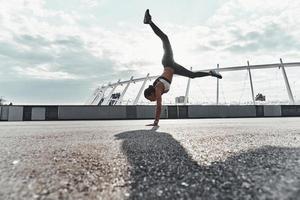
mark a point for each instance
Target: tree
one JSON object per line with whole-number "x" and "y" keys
{"x": 2, "y": 101}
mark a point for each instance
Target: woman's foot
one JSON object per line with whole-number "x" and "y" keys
{"x": 215, "y": 74}
{"x": 147, "y": 18}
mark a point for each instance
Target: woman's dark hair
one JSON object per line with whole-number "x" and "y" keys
{"x": 149, "y": 91}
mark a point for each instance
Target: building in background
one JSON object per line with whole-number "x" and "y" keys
{"x": 179, "y": 100}
{"x": 114, "y": 98}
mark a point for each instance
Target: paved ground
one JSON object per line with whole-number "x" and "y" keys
{"x": 182, "y": 159}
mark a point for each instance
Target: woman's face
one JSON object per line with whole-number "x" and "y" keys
{"x": 151, "y": 97}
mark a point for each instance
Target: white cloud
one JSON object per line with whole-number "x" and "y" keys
{"x": 90, "y": 3}
{"x": 271, "y": 21}
{"x": 45, "y": 72}
{"x": 33, "y": 38}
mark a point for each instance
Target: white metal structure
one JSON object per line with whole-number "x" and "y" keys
{"x": 218, "y": 87}
{"x": 251, "y": 83}
{"x": 186, "y": 97}
{"x": 98, "y": 97}
{"x": 119, "y": 102}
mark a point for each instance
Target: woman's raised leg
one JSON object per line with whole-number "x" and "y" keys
{"x": 168, "y": 53}
{"x": 168, "y": 60}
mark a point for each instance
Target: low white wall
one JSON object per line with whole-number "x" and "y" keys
{"x": 15, "y": 113}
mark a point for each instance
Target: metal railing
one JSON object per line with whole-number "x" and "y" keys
{"x": 98, "y": 97}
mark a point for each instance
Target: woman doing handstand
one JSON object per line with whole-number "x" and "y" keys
{"x": 162, "y": 84}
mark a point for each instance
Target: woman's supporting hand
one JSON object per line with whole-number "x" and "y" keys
{"x": 155, "y": 123}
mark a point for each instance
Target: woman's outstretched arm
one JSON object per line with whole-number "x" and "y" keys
{"x": 158, "y": 91}
{"x": 158, "y": 106}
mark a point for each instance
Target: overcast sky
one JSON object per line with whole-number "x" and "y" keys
{"x": 58, "y": 52}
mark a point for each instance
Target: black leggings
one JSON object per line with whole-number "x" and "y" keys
{"x": 168, "y": 60}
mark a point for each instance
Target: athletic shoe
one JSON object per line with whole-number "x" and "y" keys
{"x": 215, "y": 74}
{"x": 147, "y": 18}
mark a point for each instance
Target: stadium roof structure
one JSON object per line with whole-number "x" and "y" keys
{"x": 99, "y": 98}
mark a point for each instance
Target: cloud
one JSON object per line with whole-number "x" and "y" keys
{"x": 22, "y": 54}
{"x": 255, "y": 26}
{"x": 74, "y": 52}
{"x": 44, "y": 72}
{"x": 271, "y": 38}
{"x": 90, "y": 3}
{"x": 41, "y": 44}
{"x": 38, "y": 91}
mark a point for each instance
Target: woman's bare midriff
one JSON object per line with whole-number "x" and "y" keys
{"x": 168, "y": 73}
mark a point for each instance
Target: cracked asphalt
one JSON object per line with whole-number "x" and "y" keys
{"x": 255, "y": 158}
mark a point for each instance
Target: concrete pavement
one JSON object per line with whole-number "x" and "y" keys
{"x": 255, "y": 158}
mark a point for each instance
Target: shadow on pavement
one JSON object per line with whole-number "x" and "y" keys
{"x": 160, "y": 168}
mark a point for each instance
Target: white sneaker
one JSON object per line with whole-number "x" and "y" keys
{"x": 215, "y": 74}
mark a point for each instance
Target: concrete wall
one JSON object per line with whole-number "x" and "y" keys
{"x": 148, "y": 112}
{"x": 259, "y": 111}
{"x": 290, "y": 110}
{"x": 38, "y": 113}
{"x": 196, "y": 111}
{"x": 29, "y": 113}
{"x": 15, "y": 113}
{"x": 272, "y": 111}
{"x": 51, "y": 113}
{"x": 4, "y": 113}
{"x": 91, "y": 112}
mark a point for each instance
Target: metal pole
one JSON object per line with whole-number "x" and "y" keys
{"x": 100, "y": 94}
{"x": 141, "y": 90}
{"x": 106, "y": 100}
{"x": 187, "y": 90}
{"x": 287, "y": 84}
{"x": 93, "y": 97}
{"x": 119, "y": 102}
{"x": 251, "y": 83}
{"x": 217, "y": 101}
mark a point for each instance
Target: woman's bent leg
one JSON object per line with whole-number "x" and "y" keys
{"x": 180, "y": 70}
{"x": 168, "y": 60}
